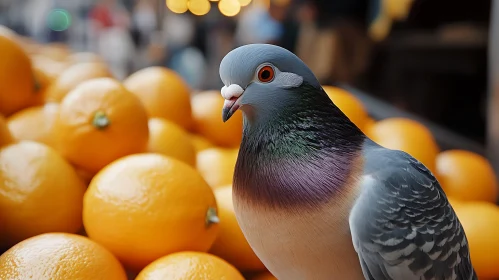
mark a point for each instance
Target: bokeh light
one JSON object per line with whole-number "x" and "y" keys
{"x": 59, "y": 20}
{"x": 199, "y": 7}
{"x": 244, "y": 2}
{"x": 229, "y": 8}
{"x": 177, "y": 6}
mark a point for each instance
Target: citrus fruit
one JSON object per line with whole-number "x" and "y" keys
{"x": 368, "y": 126}
{"x": 57, "y": 51}
{"x": 17, "y": 83}
{"x": 189, "y": 265}
{"x": 60, "y": 256}
{"x": 216, "y": 165}
{"x": 231, "y": 245}
{"x": 467, "y": 176}
{"x": 409, "y": 136}
{"x": 85, "y": 176}
{"x": 350, "y": 105}
{"x": 164, "y": 94}
{"x": 50, "y": 68}
{"x": 73, "y": 76}
{"x": 152, "y": 204}
{"x": 5, "y": 134}
{"x": 39, "y": 192}
{"x": 455, "y": 202}
{"x": 200, "y": 143}
{"x": 99, "y": 122}
{"x": 42, "y": 81}
{"x": 167, "y": 138}
{"x": 80, "y": 57}
{"x": 207, "y": 113}
{"x": 36, "y": 124}
{"x": 480, "y": 221}
{"x": 264, "y": 276}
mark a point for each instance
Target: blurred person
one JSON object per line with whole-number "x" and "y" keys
{"x": 144, "y": 20}
{"x": 110, "y": 23}
{"x": 181, "y": 33}
{"x": 333, "y": 37}
{"x": 190, "y": 63}
{"x": 34, "y": 15}
{"x": 220, "y": 38}
{"x": 178, "y": 30}
{"x": 147, "y": 39}
{"x": 13, "y": 15}
{"x": 257, "y": 25}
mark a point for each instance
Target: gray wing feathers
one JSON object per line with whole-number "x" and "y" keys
{"x": 402, "y": 225}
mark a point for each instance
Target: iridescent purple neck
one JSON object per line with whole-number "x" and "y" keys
{"x": 279, "y": 183}
{"x": 303, "y": 156}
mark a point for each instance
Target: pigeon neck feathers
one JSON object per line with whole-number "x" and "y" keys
{"x": 303, "y": 155}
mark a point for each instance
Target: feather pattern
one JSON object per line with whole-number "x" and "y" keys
{"x": 403, "y": 226}
{"x": 304, "y": 157}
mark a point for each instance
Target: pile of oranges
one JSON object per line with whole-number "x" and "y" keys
{"x": 109, "y": 179}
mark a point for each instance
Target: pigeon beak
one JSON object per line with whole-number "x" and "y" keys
{"x": 232, "y": 95}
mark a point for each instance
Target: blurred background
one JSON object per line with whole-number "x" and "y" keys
{"x": 95, "y": 82}
{"x": 426, "y": 59}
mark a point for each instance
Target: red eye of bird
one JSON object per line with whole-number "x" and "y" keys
{"x": 266, "y": 74}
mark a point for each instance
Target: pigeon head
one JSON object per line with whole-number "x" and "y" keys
{"x": 262, "y": 79}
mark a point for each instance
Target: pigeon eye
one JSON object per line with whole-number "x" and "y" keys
{"x": 266, "y": 74}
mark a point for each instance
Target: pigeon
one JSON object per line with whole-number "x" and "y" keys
{"x": 316, "y": 198}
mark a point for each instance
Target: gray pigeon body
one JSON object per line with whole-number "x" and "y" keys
{"x": 316, "y": 199}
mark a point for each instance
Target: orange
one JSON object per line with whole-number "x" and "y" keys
{"x": 99, "y": 122}
{"x": 165, "y": 137}
{"x": 73, "y": 76}
{"x": 60, "y": 256}
{"x": 151, "y": 204}
{"x": 80, "y": 57}
{"x": 217, "y": 165}
{"x": 17, "y": 83}
{"x": 29, "y": 45}
{"x": 50, "y": 67}
{"x": 368, "y": 126}
{"x": 409, "y": 136}
{"x": 350, "y": 105}
{"x": 39, "y": 192}
{"x": 189, "y": 265}
{"x": 455, "y": 203}
{"x": 231, "y": 245}
{"x": 200, "y": 143}
{"x": 5, "y": 134}
{"x": 57, "y": 51}
{"x": 481, "y": 223}
{"x": 467, "y": 176}
{"x": 264, "y": 276}
{"x": 163, "y": 92}
{"x": 207, "y": 113}
{"x": 36, "y": 124}
{"x": 84, "y": 175}
{"x": 42, "y": 81}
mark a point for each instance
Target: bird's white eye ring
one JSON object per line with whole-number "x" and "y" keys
{"x": 266, "y": 74}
